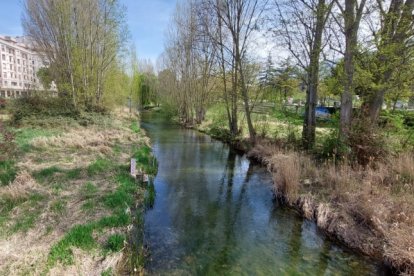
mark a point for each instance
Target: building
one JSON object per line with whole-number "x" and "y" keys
{"x": 19, "y": 64}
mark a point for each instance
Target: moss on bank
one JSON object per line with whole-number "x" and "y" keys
{"x": 69, "y": 204}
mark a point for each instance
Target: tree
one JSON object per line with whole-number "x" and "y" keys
{"x": 45, "y": 77}
{"x": 352, "y": 12}
{"x": 81, "y": 40}
{"x": 301, "y": 24}
{"x": 394, "y": 44}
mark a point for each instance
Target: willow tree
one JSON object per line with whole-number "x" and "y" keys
{"x": 80, "y": 40}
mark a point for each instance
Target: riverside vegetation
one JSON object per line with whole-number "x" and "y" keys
{"x": 67, "y": 201}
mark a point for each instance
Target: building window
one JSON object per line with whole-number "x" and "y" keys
{"x": 11, "y": 67}
{"x": 14, "y": 83}
{"x": 18, "y": 61}
{"x": 10, "y": 58}
{"x": 3, "y": 56}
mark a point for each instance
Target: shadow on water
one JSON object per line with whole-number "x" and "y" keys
{"x": 214, "y": 214}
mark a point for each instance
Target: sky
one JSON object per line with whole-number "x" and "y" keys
{"x": 147, "y": 21}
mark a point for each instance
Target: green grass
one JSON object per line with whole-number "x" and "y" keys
{"x": 149, "y": 198}
{"x": 107, "y": 272}
{"x": 7, "y": 172}
{"x": 99, "y": 166}
{"x": 122, "y": 197}
{"x": 88, "y": 190}
{"x": 25, "y": 222}
{"x": 46, "y": 173}
{"x": 135, "y": 127}
{"x": 89, "y": 205}
{"x": 58, "y": 207}
{"x": 7, "y": 205}
{"x": 74, "y": 173}
{"x": 28, "y": 216}
{"x": 145, "y": 160}
{"x": 117, "y": 220}
{"x": 25, "y": 135}
{"x": 79, "y": 236}
{"x": 115, "y": 243}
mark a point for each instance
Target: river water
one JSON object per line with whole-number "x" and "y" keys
{"x": 214, "y": 214}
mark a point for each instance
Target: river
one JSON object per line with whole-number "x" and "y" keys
{"x": 214, "y": 214}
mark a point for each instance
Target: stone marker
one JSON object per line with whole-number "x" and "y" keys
{"x": 133, "y": 167}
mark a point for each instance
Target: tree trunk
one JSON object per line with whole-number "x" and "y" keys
{"x": 309, "y": 124}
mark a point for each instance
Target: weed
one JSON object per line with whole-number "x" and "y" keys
{"x": 115, "y": 242}
{"x": 99, "y": 166}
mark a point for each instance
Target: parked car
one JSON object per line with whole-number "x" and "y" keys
{"x": 322, "y": 112}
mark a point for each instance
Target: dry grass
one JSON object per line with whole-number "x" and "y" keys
{"x": 368, "y": 208}
{"x": 22, "y": 186}
{"x": 26, "y": 253}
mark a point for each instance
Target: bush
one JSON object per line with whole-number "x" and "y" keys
{"x": 221, "y": 134}
{"x": 367, "y": 143}
{"x": 332, "y": 148}
{"x": 46, "y": 106}
{"x": 7, "y": 143}
{"x": 3, "y": 103}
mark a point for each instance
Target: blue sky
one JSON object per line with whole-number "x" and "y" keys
{"x": 147, "y": 21}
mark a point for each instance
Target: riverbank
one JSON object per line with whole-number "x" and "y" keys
{"x": 368, "y": 209}
{"x": 68, "y": 202}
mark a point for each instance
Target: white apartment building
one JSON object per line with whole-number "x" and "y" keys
{"x": 19, "y": 64}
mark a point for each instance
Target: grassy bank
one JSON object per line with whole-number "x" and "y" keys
{"x": 67, "y": 202}
{"x": 367, "y": 208}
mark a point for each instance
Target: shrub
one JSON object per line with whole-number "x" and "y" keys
{"x": 7, "y": 143}
{"x": 366, "y": 142}
{"x": 46, "y": 106}
{"x": 221, "y": 134}
{"x": 332, "y": 148}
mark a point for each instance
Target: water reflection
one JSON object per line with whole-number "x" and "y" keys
{"x": 214, "y": 214}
